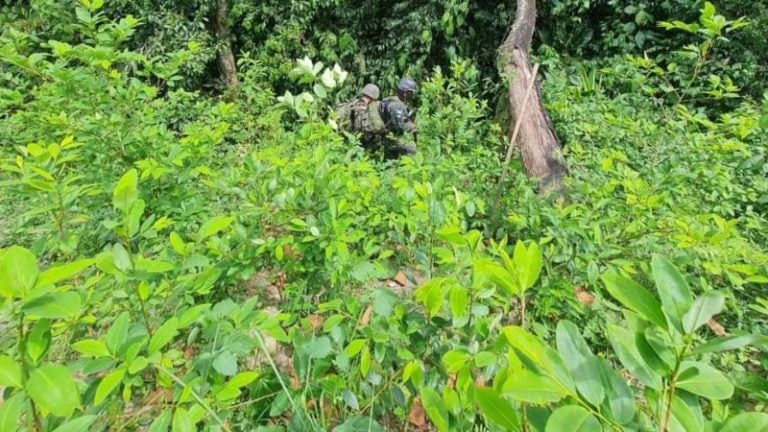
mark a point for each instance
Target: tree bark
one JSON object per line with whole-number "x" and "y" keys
{"x": 539, "y": 147}
{"x": 226, "y": 57}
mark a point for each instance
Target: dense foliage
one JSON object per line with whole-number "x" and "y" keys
{"x": 176, "y": 257}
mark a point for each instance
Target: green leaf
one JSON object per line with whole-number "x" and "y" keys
{"x": 354, "y": 347}
{"x": 126, "y": 191}
{"x": 163, "y": 335}
{"x": 213, "y": 226}
{"x": 57, "y": 274}
{"x": 161, "y": 423}
{"x": 747, "y": 422}
{"x": 633, "y": 296}
{"x": 117, "y": 333}
{"x": 496, "y": 409}
{"x": 498, "y": 275}
{"x": 359, "y": 424}
{"x": 459, "y": 300}
{"x": 39, "y": 340}
{"x": 54, "y": 305}
{"x": 225, "y": 363}
{"x": 137, "y": 365}
{"x": 528, "y": 263}
{"x": 10, "y": 372}
{"x": 704, "y": 380}
{"x": 485, "y": 358}
{"x": 620, "y": 400}
{"x": 18, "y": 272}
{"x": 528, "y": 386}
{"x": 107, "y": 385}
{"x": 178, "y": 244}
{"x": 687, "y": 414}
{"x": 318, "y": 347}
{"x": 657, "y": 359}
{"x": 435, "y": 408}
{"x": 53, "y": 390}
{"x": 182, "y": 421}
{"x": 623, "y": 344}
{"x": 529, "y": 346}
{"x": 79, "y": 424}
{"x": 92, "y": 348}
{"x": 727, "y": 343}
{"x": 583, "y": 365}
{"x": 572, "y": 418}
{"x": 676, "y": 297}
{"x": 242, "y": 379}
{"x": 121, "y": 257}
{"x": 455, "y": 360}
{"x": 704, "y": 308}
{"x": 10, "y": 412}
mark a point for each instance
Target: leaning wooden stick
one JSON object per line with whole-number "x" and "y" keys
{"x": 518, "y": 122}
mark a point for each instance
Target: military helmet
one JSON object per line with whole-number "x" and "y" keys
{"x": 372, "y": 91}
{"x": 407, "y": 85}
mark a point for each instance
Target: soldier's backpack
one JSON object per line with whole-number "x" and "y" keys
{"x": 356, "y": 116}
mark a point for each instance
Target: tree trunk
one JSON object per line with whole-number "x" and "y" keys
{"x": 538, "y": 144}
{"x": 226, "y": 59}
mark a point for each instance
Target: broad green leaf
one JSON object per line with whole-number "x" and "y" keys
{"x": 177, "y": 243}
{"x": 459, "y": 300}
{"x": 39, "y": 340}
{"x": 633, "y": 296}
{"x": 656, "y": 362}
{"x": 704, "y": 380}
{"x": 121, "y": 257}
{"x": 704, "y": 308}
{"x": 528, "y": 386}
{"x": 623, "y": 343}
{"x": 117, "y": 333}
{"x": 57, "y": 274}
{"x": 225, "y": 363}
{"x": 354, "y": 347}
{"x": 54, "y": 305}
{"x": 182, "y": 421}
{"x": 727, "y": 343}
{"x": 53, "y": 389}
{"x": 365, "y": 362}
{"x": 137, "y": 365}
{"x": 242, "y": 379}
{"x": 747, "y": 422}
{"x": 529, "y": 346}
{"x": 528, "y": 263}
{"x": 496, "y": 409}
{"x": 676, "y": 297}
{"x": 582, "y": 364}
{"x": 79, "y": 424}
{"x": 126, "y": 191}
{"x": 161, "y": 423}
{"x": 153, "y": 266}
{"x": 163, "y": 335}
{"x": 620, "y": 401}
{"x": 685, "y": 416}
{"x": 572, "y": 418}
{"x": 107, "y": 385}
{"x": 455, "y": 360}
{"x": 498, "y": 275}
{"x": 192, "y": 314}
{"x": 318, "y": 347}
{"x": 92, "y": 348}
{"x": 18, "y": 272}
{"x": 435, "y": 408}
{"x": 485, "y": 358}
{"x": 359, "y": 424}
{"x": 10, "y": 412}
{"x": 10, "y": 372}
{"x": 213, "y": 226}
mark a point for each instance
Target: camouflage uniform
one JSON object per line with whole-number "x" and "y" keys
{"x": 398, "y": 119}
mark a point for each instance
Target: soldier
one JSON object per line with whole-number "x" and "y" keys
{"x": 353, "y": 116}
{"x": 398, "y": 119}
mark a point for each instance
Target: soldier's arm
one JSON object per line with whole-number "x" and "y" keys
{"x": 402, "y": 120}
